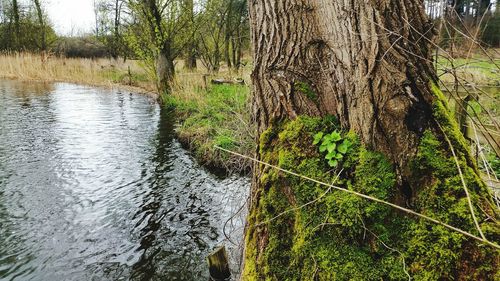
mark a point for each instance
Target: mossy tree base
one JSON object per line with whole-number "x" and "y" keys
{"x": 369, "y": 64}
{"x": 344, "y": 237}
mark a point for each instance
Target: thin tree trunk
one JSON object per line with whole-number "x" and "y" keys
{"x": 234, "y": 51}
{"x": 227, "y": 51}
{"x": 227, "y": 44}
{"x": 41, "y": 22}
{"x": 116, "y": 31}
{"x": 17, "y": 25}
{"x": 368, "y": 63}
{"x": 190, "y": 61}
{"x": 164, "y": 61}
{"x": 228, "y": 33}
{"x": 165, "y": 71}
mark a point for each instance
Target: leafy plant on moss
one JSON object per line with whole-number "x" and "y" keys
{"x": 334, "y": 145}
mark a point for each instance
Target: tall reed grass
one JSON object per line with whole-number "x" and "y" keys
{"x": 97, "y": 72}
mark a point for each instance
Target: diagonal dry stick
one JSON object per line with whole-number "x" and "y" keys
{"x": 463, "y": 183}
{"x": 463, "y": 232}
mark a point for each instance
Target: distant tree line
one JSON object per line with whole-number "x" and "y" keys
{"x": 24, "y": 27}
{"x": 463, "y": 17}
{"x": 158, "y": 32}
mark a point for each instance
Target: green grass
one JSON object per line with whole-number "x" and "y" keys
{"x": 479, "y": 70}
{"x": 219, "y": 116}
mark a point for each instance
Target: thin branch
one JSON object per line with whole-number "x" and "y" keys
{"x": 303, "y": 206}
{"x": 463, "y": 232}
{"x": 463, "y": 183}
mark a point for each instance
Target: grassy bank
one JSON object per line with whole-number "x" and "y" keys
{"x": 207, "y": 114}
{"x": 216, "y": 115}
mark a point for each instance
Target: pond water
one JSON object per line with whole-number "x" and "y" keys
{"x": 93, "y": 186}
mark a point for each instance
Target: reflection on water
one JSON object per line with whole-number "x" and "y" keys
{"x": 94, "y": 187}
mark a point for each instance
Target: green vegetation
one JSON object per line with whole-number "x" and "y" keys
{"x": 494, "y": 161}
{"x": 491, "y": 25}
{"x": 322, "y": 240}
{"x": 343, "y": 237}
{"x": 331, "y": 143}
{"x": 432, "y": 247}
{"x": 122, "y": 76}
{"x": 217, "y": 116}
{"x": 478, "y": 69}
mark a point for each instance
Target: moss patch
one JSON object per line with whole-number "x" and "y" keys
{"x": 326, "y": 239}
{"x": 307, "y": 90}
{"x": 344, "y": 237}
{"x": 437, "y": 252}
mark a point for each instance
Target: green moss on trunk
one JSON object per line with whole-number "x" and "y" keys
{"x": 344, "y": 237}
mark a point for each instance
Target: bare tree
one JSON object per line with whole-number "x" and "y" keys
{"x": 159, "y": 33}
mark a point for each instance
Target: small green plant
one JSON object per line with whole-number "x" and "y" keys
{"x": 334, "y": 145}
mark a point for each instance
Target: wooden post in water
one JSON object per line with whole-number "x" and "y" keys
{"x": 218, "y": 265}
{"x": 462, "y": 107}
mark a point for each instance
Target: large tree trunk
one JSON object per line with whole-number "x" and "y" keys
{"x": 368, "y": 63}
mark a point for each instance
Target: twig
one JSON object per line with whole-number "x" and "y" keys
{"x": 463, "y": 183}
{"x": 463, "y": 232}
{"x": 305, "y": 205}
{"x": 392, "y": 249}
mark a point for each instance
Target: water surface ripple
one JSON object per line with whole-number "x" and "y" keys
{"x": 93, "y": 186}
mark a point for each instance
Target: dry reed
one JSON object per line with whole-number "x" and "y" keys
{"x": 95, "y": 72}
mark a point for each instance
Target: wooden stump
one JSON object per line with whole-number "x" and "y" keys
{"x": 218, "y": 265}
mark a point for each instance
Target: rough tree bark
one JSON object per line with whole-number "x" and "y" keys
{"x": 368, "y": 63}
